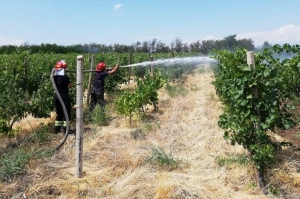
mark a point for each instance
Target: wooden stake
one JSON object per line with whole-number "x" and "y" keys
{"x": 90, "y": 83}
{"x": 79, "y": 116}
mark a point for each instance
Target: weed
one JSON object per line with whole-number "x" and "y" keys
{"x": 147, "y": 127}
{"x": 158, "y": 157}
{"x": 273, "y": 190}
{"x": 99, "y": 116}
{"x": 41, "y": 133}
{"x": 252, "y": 185}
{"x": 241, "y": 159}
{"x": 43, "y": 153}
{"x": 11, "y": 164}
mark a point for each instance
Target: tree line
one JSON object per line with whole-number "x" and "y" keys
{"x": 202, "y": 47}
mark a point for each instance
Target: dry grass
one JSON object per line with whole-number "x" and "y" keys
{"x": 113, "y": 159}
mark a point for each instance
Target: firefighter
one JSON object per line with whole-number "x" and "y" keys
{"x": 97, "y": 94}
{"x": 62, "y": 82}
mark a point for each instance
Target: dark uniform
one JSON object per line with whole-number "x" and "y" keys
{"x": 62, "y": 83}
{"x": 97, "y": 95}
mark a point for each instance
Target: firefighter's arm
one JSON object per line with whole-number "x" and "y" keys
{"x": 114, "y": 69}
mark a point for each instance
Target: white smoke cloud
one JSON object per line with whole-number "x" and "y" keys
{"x": 10, "y": 41}
{"x": 118, "y": 6}
{"x": 286, "y": 34}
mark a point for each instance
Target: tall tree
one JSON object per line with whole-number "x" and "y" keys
{"x": 195, "y": 47}
{"x": 245, "y": 43}
{"x": 207, "y": 46}
{"x": 231, "y": 41}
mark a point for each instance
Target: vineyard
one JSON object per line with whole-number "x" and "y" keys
{"x": 26, "y": 84}
{"x": 255, "y": 101}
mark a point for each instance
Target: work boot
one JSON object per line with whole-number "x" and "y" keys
{"x": 71, "y": 131}
{"x": 57, "y": 129}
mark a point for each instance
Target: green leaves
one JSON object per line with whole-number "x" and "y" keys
{"x": 145, "y": 93}
{"x": 25, "y": 85}
{"x": 256, "y": 101}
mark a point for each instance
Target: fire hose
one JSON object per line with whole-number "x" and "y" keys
{"x": 64, "y": 108}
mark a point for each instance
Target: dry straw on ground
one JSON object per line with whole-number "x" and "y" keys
{"x": 113, "y": 159}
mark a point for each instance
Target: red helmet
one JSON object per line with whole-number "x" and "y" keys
{"x": 100, "y": 66}
{"x": 61, "y": 64}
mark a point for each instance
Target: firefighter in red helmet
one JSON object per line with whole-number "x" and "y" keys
{"x": 62, "y": 83}
{"x": 97, "y": 94}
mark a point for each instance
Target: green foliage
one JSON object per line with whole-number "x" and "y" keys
{"x": 41, "y": 133}
{"x": 145, "y": 93}
{"x": 118, "y": 78}
{"x": 26, "y": 86}
{"x": 256, "y": 101}
{"x": 147, "y": 88}
{"x": 177, "y": 71}
{"x": 99, "y": 116}
{"x": 139, "y": 72}
{"x": 127, "y": 104}
{"x": 158, "y": 157}
{"x": 240, "y": 159}
{"x": 11, "y": 164}
{"x": 273, "y": 190}
{"x": 42, "y": 153}
{"x": 4, "y": 129}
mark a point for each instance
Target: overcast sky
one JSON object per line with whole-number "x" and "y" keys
{"x": 67, "y": 22}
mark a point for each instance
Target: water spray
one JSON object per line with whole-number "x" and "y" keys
{"x": 172, "y": 61}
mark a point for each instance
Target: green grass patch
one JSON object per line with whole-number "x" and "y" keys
{"x": 41, "y": 134}
{"x": 159, "y": 158}
{"x": 100, "y": 116}
{"x": 241, "y": 159}
{"x": 13, "y": 163}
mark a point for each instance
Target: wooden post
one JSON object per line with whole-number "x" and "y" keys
{"x": 251, "y": 62}
{"x": 79, "y": 116}
{"x": 151, "y": 67}
{"x": 90, "y": 83}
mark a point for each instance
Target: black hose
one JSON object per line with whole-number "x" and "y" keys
{"x": 64, "y": 108}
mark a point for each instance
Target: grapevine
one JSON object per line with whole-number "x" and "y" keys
{"x": 248, "y": 117}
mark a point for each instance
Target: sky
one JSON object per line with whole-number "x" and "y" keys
{"x": 70, "y": 22}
